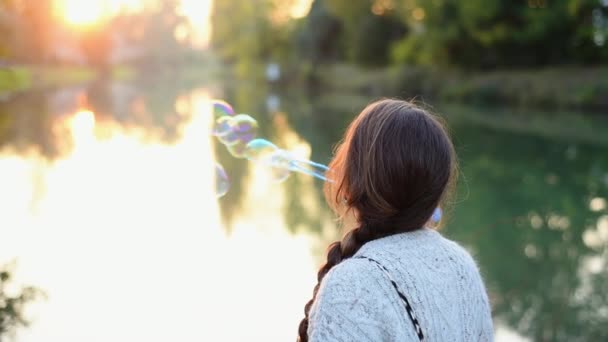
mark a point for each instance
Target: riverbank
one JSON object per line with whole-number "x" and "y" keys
{"x": 577, "y": 127}
{"x": 551, "y": 88}
{"x": 22, "y": 78}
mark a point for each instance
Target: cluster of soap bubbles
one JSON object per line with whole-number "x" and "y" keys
{"x": 238, "y": 132}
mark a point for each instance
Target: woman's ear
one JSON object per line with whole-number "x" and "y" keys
{"x": 349, "y": 219}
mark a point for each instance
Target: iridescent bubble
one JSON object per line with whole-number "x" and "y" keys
{"x": 222, "y": 126}
{"x": 221, "y": 108}
{"x": 222, "y": 183}
{"x": 437, "y": 215}
{"x": 260, "y": 149}
{"x": 242, "y": 128}
{"x": 238, "y": 133}
{"x": 238, "y": 150}
{"x": 245, "y": 127}
{"x": 279, "y": 166}
{"x": 265, "y": 152}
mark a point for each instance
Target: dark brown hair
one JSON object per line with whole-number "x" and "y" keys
{"x": 391, "y": 171}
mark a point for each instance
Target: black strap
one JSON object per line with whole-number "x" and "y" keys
{"x": 406, "y": 302}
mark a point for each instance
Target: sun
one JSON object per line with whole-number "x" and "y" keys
{"x": 87, "y": 13}
{"x": 91, "y": 12}
{"x": 82, "y": 13}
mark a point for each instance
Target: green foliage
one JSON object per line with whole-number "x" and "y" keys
{"x": 369, "y": 30}
{"x": 472, "y": 34}
{"x": 249, "y": 33}
{"x": 319, "y": 38}
{"x": 500, "y": 33}
{"x": 373, "y": 38}
{"x": 12, "y": 304}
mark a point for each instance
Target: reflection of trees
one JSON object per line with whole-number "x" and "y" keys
{"x": 31, "y": 121}
{"x": 149, "y": 108}
{"x": 26, "y": 125}
{"x": 12, "y": 315}
{"x": 304, "y": 206}
{"x": 524, "y": 214}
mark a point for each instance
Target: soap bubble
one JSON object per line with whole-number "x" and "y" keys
{"x": 260, "y": 149}
{"x": 222, "y": 183}
{"x": 279, "y": 166}
{"x": 222, "y": 126}
{"x": 221, "y": 108}
{"x": 437, "y": 214}
{"x": 265, "y": 152}
{"x": 232, "y": 129}
{"x": 238, "y": 150}
{"x": 238, "y": 133}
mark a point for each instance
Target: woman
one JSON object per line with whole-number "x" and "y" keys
{"x": 391, "y": 278}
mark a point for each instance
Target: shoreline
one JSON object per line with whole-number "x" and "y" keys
{"x": 563, "y": 88}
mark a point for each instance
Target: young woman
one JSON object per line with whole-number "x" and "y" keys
{"x": 391, "y": 278}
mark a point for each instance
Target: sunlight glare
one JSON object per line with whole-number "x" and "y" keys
{"x": 82, "y": 13}
{"x": 91, "y": 12}
{"x": 198, "y": 13}
{"x": 126, "y": 222}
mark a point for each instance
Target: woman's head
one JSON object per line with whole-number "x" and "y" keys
{"x": 391, "y": 171}
{"x": 393, "y": 167}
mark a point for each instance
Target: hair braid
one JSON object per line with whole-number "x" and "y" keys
{"x": 336, "y": 253}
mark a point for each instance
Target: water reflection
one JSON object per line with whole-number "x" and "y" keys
{"x": 121, "y": 228}
{"x": 526, "y": 215}
{"x": 109, "y": 204}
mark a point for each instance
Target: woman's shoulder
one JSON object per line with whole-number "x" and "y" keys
{"x": 419, "y": 254}
{"x": 354, "y": 280}
{"x": 424, "y": 243}
{"x": 350, "y": 274}
{"x": 353, "y": 296}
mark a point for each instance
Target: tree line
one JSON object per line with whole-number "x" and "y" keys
{"x": 472, "y": 34}
{"x": 33, "y": 33}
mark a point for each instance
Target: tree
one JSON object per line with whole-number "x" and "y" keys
{"x": 371, "y": 27}
{"x": 319, "y": 38}
{"x": 8, "y": 23}
{"x": 34, "y": 28}
{"x": 246, "y": 33}
{"x": 500, "y": 33}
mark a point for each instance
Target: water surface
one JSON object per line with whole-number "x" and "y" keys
{"x": 107, "y": 205}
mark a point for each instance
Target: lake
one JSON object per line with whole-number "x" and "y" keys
{"x": 108, "y": 205}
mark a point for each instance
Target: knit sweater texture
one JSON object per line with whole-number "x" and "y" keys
{"x": 356, "y": 301}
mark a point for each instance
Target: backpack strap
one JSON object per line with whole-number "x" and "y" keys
{"x": 408, "y": 307}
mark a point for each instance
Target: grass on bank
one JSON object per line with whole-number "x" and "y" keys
{"x": 21, "y": 78}
{"x": 14, "y": 79}
{"x": 562, "y": 88}
{"x": 559, "y": 125}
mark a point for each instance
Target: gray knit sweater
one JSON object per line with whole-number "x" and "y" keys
{"x": 357, "y": 302}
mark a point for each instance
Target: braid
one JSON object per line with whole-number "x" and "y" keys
{"x": 336, "y": 253}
